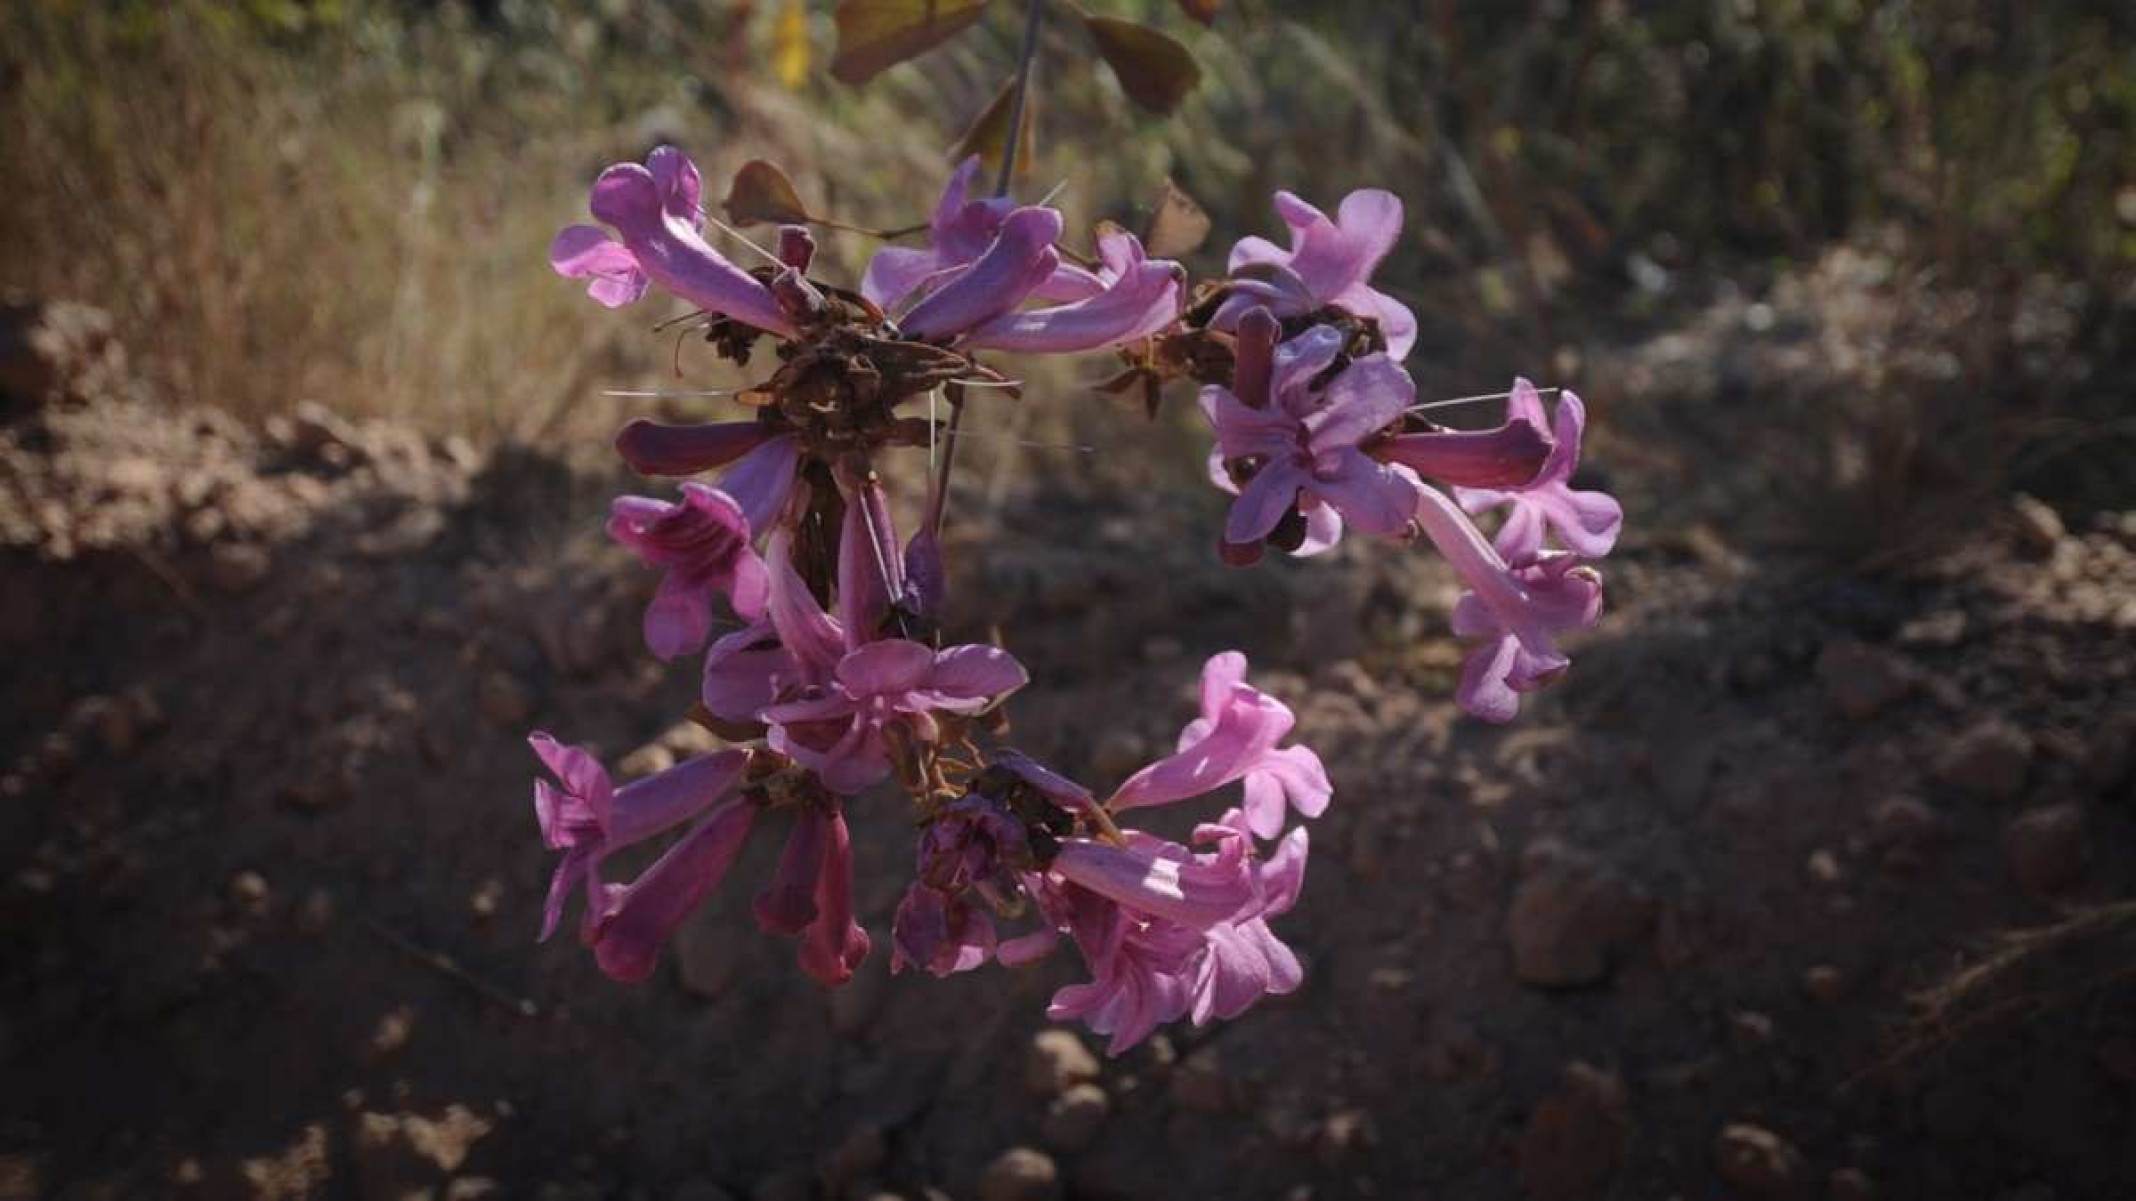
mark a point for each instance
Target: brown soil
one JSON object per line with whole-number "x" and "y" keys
{"x": 1724, "y": 915}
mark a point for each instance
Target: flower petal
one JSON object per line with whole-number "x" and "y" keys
{"x": 670, "y": 250}
{"x": 1271, "y": 493}
{"x": 889, "y": 668}
{"x": 975, "y": 673}
{"x": 835, "y": 944}
{"x": 1144, "y": 301}
{"x": 637, "y": 921}
{"x": 1507, "y": 457}
{"x": 762, "y": 480}
{"x": 1194, "y": 893}
{"x": 788, "y": 904}
{"x": 655, "y": 449}
{"x": 996, "y": 282}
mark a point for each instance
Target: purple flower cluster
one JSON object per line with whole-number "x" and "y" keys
{"x": 815, "y": 624}
{"x": 1311, "y": 436}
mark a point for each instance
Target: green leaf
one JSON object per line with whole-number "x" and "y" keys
{"x": 760, "y": 193}
{"x": 1154, "y": 69}
{"x": 989, "y": 135}
{"x": 875, "y": 35}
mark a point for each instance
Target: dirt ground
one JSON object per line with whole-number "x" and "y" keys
{"x": 1806, "y": 883}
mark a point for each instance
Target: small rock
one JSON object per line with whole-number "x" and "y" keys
{"x": 1850, "y": 1184}
{"x": 301, "y": 1170}
{"x": 1945, "y": 627}
{"x": 249, "y": 892}
{"x": 58, "y": 350}
{"x": 1074, "y": 1118}
{"x": 447, "y": 1139}
{"x": 1903, "y": 828}
{"x": 2039, "y": 527}
{"x": 2046, "y": 848}
{"x": 111, "y": 719}
{"x": 486, "y": 898}
{"x": 399, "y": 1154}
{"x": 1749, "y": 1029}
{"x": 1199, "y": 1083}
{"x": 1057, "y": 1060}
{"x": 1571, "y": 921}
{"x": 1989, "y": 760}
{"x": 700, "y": 1190}
{"x": 1576, "y": 1138}
{"x": 1020, "y": 1174}
{"x": 504, "y": 700}
{"x": 1342, "y": 1135}
{"x": 1860, "y": 680}
{"x": 238, "y": 567}
{"x": 1823, "y": 866}
{"x": 393, "y": 1031}
{"x": 1759, "y": 1162}
{"x": 1825, "y": 983}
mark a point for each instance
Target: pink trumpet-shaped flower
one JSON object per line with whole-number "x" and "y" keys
{"x": 632, "y": 922}
{"x": 1587, "y": 523}
{"x": 1235, "y": 739}
{"x": 1330, "y": 263}
{"x": 834, "y": 944}
{"x": 587, "y": 817}
{"x": 1513, "y": 613}
{"x": 1021, "y": 258}
{"x": 837, "y": 726}
{"x": 1142, "y": 975}
{"x": 1141, "y": 296}
{"x": 840, "y": 733}
{"x": 1506, "y": 457}
{"x": 655, "y": 211}
{"x": 812, "y": 896}
{"x": 760, "y": 460}
{"x": 1298, "y": 448}
{"x": 703, "y": 542}
{"x": 1148, "y": 969}
{"x": 960, "y": 231}
{"x": 1241, "y": 960}
{"x": 990, "y": 256}
{"x": 1148, "y": 877}
{"x": 788, "y": 904}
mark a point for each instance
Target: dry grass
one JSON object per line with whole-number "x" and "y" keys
{"x": 359, "y": 214}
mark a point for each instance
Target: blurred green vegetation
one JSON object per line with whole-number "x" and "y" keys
{"x": 349, "y": 200}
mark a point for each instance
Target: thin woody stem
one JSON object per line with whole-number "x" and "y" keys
{"x": 1034, "y": 20}
{"x": 1034, "y": 17}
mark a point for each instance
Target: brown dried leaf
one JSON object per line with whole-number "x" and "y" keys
{"x": 1201, "y": 10}
{"x": 760, "y": 193}
{"x": 1155, "y": 69}
{"x": 988, "y": 136}
{"x": 1177, "y": 227}
{"x": 874, "y": 35}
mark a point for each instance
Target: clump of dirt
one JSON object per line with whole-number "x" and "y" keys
{"x": 269, "y": 876}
